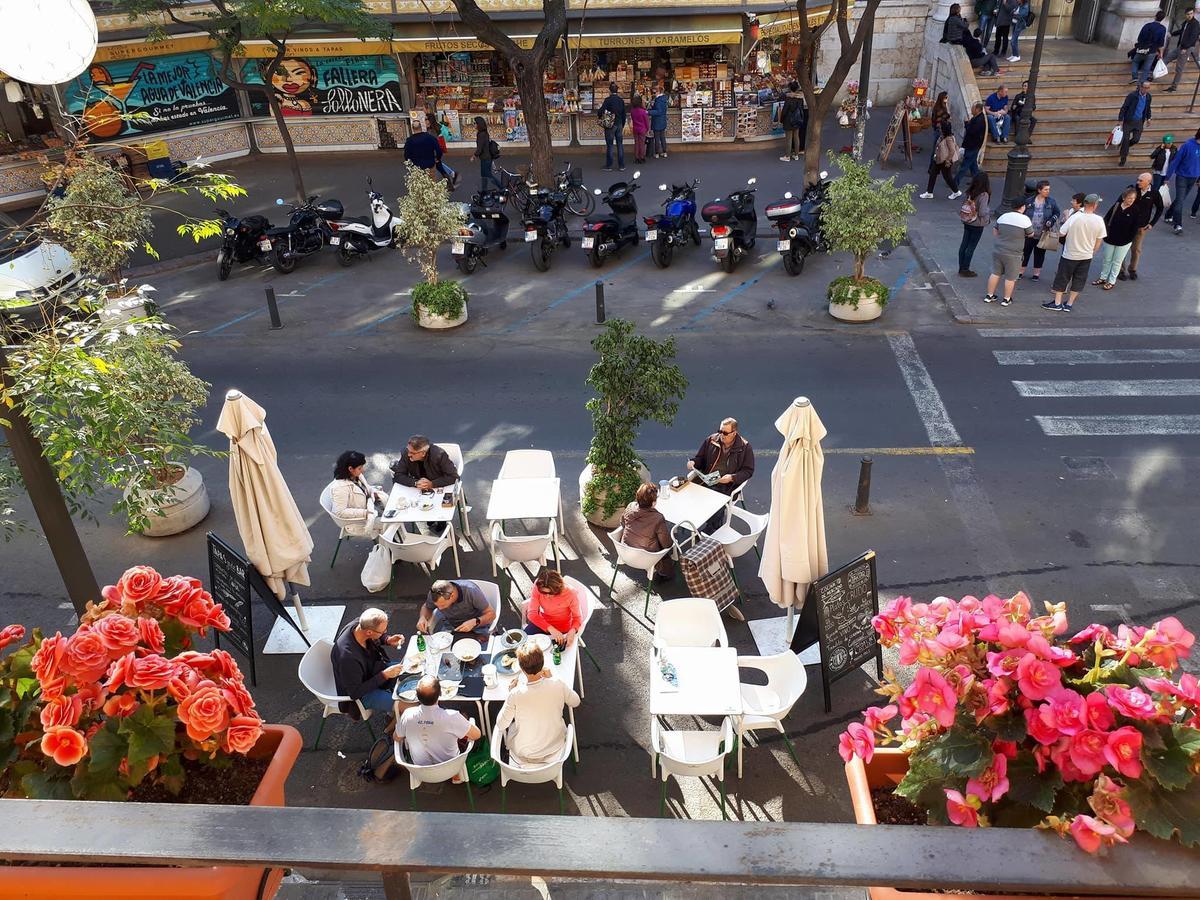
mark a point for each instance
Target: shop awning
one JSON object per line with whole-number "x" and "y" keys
{"x": 778, "y": 24}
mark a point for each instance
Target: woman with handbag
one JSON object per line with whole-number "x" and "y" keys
{"x": 941, "y": 161}
{"x": 975, "y": 216}
{"x": 1043, "y": 212}
{"x": 352, "y": 498}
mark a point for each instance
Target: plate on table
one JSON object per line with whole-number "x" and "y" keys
{"x": 467, "y": 650}
{"x": 440, "y": 641}
{"x": 506, "y": 663}
{"x": 512, "y": 638}
{"x": 406, "y": 689}
{"x": 449, "y": 689}
{"x": 427, "y": 504}
{"x": 542, "y": 641}
{"x": 414, "y": 664}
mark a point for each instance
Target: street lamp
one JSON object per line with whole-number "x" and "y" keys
{"x": 46, "y": 41}
{"x": 1019, "y": 155}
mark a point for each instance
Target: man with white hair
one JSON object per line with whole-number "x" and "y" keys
{"x": 362, "y": 669}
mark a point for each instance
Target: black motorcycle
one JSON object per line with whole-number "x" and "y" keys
{"x": 675, "y": 226}
{"x": 307, "y": 231}
{"x": 486, "y": 227}
{"x": 242, "y": 241}
{"x": 605, "y": 235}
{"x": 545, "y": 224}
{"x": 799, "y": 224}
{"x": 732, "y": 224}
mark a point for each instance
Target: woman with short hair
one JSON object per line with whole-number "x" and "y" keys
{"x": 553, "y": 609}
{"x": 351, "y": 497}
{"x": 646, "y": 529}
{"x": 532, "y": 716}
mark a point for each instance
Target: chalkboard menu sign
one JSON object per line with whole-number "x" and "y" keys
{"x": 841, "y": 605}
{"x": 229, "y": 584}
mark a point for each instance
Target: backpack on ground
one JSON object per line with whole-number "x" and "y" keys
{"x": 608, "y": 118}
{"x": 493, "y": 149}
{"x": 968, "y": 212}
{"x": 380, "y": 766}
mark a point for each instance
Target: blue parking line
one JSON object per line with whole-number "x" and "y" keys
{"x": 574, "y": 292}
{"x": 900, "y": 282}
{"x": 709, "y": 310}
{"x": 262, "y": 309}
{"x": 387, "y": 318}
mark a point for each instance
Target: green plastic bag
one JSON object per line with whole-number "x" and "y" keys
{"x": 482, "y": 770}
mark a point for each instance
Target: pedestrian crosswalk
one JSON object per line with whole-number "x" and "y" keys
{"x": 1130, "y": 406}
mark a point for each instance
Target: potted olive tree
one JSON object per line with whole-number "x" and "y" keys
{"x": 428, "y": 219}
{"x": 861, "y": 214}
{"x": 635, "y": 380}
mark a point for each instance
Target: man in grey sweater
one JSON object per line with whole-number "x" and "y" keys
{"x": 1010, "y": 229}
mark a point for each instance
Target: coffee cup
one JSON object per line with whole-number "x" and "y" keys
{"x": 490, "y": 676}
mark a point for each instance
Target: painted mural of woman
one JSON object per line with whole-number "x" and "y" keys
{"x": 295, "y": 84}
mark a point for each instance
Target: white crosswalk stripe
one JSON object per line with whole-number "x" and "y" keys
{"x": 1079, "y": 426}
{"x": 1093, "y": 357}
{"x": 1128, "y": 331}
{"x": 1149, "y": 387}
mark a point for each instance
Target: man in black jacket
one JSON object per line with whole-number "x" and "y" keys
{"x": 424, "y": 465}
{"x": 1188, "y": 34}
{"x": 362, "y": 669}
{"x": 972, "y": 141}
{"x": 615, "y": 106}
{"x": 728, "y": 453}
{"x": 1148, "y": 208}
{"x": 1135, "y": 114}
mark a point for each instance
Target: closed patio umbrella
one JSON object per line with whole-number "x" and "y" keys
{"x": 794, "y": 553}
{"x": 273, "y": 532}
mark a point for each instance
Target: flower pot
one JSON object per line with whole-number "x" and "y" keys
{"x": 434, "y": 321}
{"x": 868, "y": 308}
{"x": 188, "y": 506}
{"x": 281, "y": 743}
{"x": 598, "y": 518}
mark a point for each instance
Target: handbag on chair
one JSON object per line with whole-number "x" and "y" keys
{"x": 705, "y": 569}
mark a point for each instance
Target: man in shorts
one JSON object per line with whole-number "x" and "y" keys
{"x": 1083, "y": 233}
{"x": 1010, "y": 229}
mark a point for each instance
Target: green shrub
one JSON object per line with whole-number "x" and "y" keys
{"x": 445, "y": 298}
{"x": 845, "y": 289}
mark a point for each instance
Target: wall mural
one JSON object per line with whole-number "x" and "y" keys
{"x": 329, "y": 85}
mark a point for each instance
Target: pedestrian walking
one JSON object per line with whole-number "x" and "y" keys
{"x": 612, "y": 119}
{"x": 1160, "y": 159}
{"x": 1043, "y": 215}
{"x": 975, "y": 216}
{"x": 986, "y": 10}
{"x": 1005, "y": 12}
{"x": 956, "y": 26}
{"x": 1121, "y": 227}
{"x": 658, "y": 122}
{"x": 1147, "y": 49}
{"x": 1148, "y": 207}
{"x": 940, "y": 112}
{"x": 424, "y": 151}
{"x": 1185, "y": 169}
{"x": 1012, "y": 229}
{"x": 1084, "y": 232}
{"x": 999, "y": 121}
{"x": 484, "y": 153}
{"x": 791, "y": 116}
{"x": 973, "y": 134}
{"x": 640, "y": 120}
{"x": 941, "y": 161}
{"x": 1134, "y": 115}
{"x": 1022, "y": 19}
{"x": 1188, "y": 34}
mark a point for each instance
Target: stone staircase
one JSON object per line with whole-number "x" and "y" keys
{"x": 1077, "y": 105}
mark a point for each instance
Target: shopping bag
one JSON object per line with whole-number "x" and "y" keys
{"x": 377, "y": 571}
{"x": 1165, "y": 192}
{"x": 1114, "y": 137}
{"x": 706, "y": 571}
{"x": 1160, "y": 68}
{"x": 482, "y": 770}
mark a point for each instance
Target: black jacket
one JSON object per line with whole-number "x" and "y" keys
{"x": 1148, "y": 206}
{"x": 793, "y": 113}
{"x": 357, "y": 669}
{"x": 1188, "y": 33}
{"x": 1122, "y": 225}
{"x": 1130, "y": 104}
{"x": 973, "y": 133}
{"x": 737, "y": 461}
{"x": 436, "y": 466}
{"x": 954, "y": 29}
{"x": 616, "y": 105}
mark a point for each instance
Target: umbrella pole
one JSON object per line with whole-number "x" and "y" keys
{"x": 791, "y": 625}
{"x": 299, "y": 609}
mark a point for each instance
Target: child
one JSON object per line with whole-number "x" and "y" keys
{"x": 641, "y": 127}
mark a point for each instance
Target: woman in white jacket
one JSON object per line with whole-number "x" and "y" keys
{"x": 533, "y": 712}
{"x": 352, "y": 497}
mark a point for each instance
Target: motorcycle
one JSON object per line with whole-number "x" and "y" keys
{"x": 307, "y": 231}
{"x": 605, "y": 235}
{"x": 355, "y": 236}
{"x": 545, "y": 224}
{"x": 676, "y": 226}
{"x": 799, "y": 224}
{"x": 241, "y": 241}
{"x": 732, "y": 224}
{"x": 486, "y": 227}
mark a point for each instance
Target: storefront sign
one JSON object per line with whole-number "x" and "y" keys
{"x": 657, "y": 39}
{"x": 160, "y": 94}
{"x": 143, "y": 49}
{"x": 330, "y": 86}
{"x": 691, "y": 119}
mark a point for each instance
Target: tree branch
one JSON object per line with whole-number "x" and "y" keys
{"x": 487, "y": 30}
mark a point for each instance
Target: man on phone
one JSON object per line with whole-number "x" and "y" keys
{"x": 457, "y": 606}
{"x": 362, "y": 669}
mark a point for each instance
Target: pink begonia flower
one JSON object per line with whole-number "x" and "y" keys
{"x": 997, "y": 695}
{"x": 1187, "y": 690}
{"x": 910, "y": 652}
{"x": 1054, "y": 622}
{"x": 951, "y": 640}
{"x": 1134, "y": 703}
{"x": 878, "y": 716}
{"x": 1108, "y": 806}
{"x": 1018, "y": 605}
{"x": 1039, "y": 722}
{"x": 1123, "y": 751}
{"x": 856, "y": 740}
{"x": 1011, "y": 635}
{"x": 1043, "y": 756}
{"x": 1168, "y": 642}
{"x": 1099, "y": 713}
{"x": 886, "y": 629}
{"x": 1037, "y": 678}
{"x": 1007, "y": 748}
{"x": 1060, "y": 755}
{"x": 992, "y": 782}
{"x": 1066, "y": 711}
{"x": 942, "y": 608}
{"x": 1090, "y": 833}
{"x": 1043, "y": 649}
{"x": 1005, "y": 663}
{"x": 1089, "y": 635}
{"x": 933, "y": 695}
{"x": 962, "y": 811}
{"x": 1087, "y": 750}
{"x": 961, "y": 679}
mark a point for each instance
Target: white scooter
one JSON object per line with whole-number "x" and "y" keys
{"x": 355, "y": 236}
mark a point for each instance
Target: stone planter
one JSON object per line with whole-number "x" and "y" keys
{"x": 868, "y": 309}
{"x": 281, "y": 744}
{"x": 188, "y": 507}
{"x": 432, "y": 321}
{"x": 598, "y": 518}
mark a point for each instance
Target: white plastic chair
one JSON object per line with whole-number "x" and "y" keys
{"x": 766, "y": 706}
{"x": 456, "y": 456}
{"x": 491, "y": 592}
{"x": 735, "y": 496}
{"x": 316, "y": 674}
{"x": 437, "y": 773}
{"x": 690, "y": 754}
{"x": 343, "y": 524}
{"x": 588, "y": 604}
{"x": 527, "y": 464}
{"x": 734, "y": 542}
{"x": 689, "y": 622}
{"x": 512, "y": 550}
{"x": 552, "y": 771}
{"x": 645, "y": 560}
{"x": 420, "y": 550}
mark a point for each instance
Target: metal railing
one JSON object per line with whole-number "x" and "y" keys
{"x": 396, "y": 844}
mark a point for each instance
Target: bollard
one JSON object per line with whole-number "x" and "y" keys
{"x": 273, "y": 309}
{"x": 862, "y": 503}
{"x": 599, "y": 302}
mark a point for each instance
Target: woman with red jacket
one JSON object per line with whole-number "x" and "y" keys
{"x": 553, "y": 609}
{"x": 641, "y": 127}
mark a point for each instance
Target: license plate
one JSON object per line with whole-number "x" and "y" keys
{"x": 652, "y": 235}
{"x": 720, "y": 243}
{"x": 530, "y": 236}
{"x": 459, "y": 248}
{"x": 588, "y": 243}
{"x": 264, "y": 244}
{"x": 785, "y": 245}
{"x": 334, "y": 241}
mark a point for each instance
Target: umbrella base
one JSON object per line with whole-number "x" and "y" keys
{"x": 771, "y": 637}
{"x": 323, "y": 624}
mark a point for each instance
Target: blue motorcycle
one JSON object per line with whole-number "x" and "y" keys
{"x": 677, "y": 224}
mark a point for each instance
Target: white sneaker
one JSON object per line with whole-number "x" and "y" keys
{"x": 927, "y": 196}
{"x": 955, "y": 195}
{"x": 786, "y": 158}
{"x": 1014, "y": 59}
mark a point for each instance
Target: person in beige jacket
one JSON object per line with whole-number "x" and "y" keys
{"x": 352, "y": 497}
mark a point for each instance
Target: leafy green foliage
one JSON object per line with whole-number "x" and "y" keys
{"x": 863, "y": 212}
{"x": 1163, "y": 813}
{"x": 428, "y": 218}
{"x": 1028, "y": 786}
{"x": 636, "y": 381}
{"x": 95, "y": 219}
{"x": 848, "y": 290}
{"x": 1170, "y": 764}
{"x": 446, "y": 298}
{"x": 960, "y": 752}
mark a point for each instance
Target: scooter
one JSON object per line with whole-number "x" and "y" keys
{"x": 486, "y": 227}
{"x": 307, "y": 231}
{"x": 732, "y": 225}
{"x": 677, "y": 224}
{"x": 605, "y": 235}
{"x": 799, "y": 224}
{"x": 241, "y": 241}
{"x": 545, "y": 224}
{"x": 356, "y": 236}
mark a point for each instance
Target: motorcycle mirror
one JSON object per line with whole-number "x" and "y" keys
{"x": 596, "y": 192}
{"x": 662, "y": 187}
{"x": 824, "y": 175}
{"x": 787, "y": 195}
{"x": 637, "y": 174}
{"x": 279, "y": 201}
{"x": 751, "y": 181}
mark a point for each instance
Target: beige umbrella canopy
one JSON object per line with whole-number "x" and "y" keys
{"x": 273, "y": 532}
{"x": 794, "y": 553}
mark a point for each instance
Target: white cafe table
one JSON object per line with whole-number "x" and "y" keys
{"x": 693, "y": 503}
{"x": 525, "y": 498}
{"x": 709, "y": 684}
{"x": 394, "y": 517}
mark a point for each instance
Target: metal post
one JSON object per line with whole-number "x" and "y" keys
{"x": 1019, "y": 155}
{"x": 41, "y": 484}
{"x": 1192, "y": 105}
{"x": 862, "y": 503}
{"x": 864, "y": 87}
{"x": 273, "y": 308}
{"x": 599, "y": 302}
{"x": 396, "y": 885}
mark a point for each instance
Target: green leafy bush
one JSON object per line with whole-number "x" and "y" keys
{"x": 445, "y": 298}
{"x": 846, "y": 289}
{"x": 863, "y": 212}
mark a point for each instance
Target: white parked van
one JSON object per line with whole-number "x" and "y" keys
{"x": 32, "y": 270}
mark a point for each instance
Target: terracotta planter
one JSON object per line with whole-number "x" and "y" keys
{"x": 867, "y": 310}
{"x": 281, "y": 743}
{"x": 429, "y": 320}
{"x": 188, "y": 507}
{"x": 598, "y": 518}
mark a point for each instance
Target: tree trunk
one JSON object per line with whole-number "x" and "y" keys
{"x": 288, "y": 146}
{"x": 812, "y": 140}
{"x": 860, "y": 267}
{"x": 533, "y": 103}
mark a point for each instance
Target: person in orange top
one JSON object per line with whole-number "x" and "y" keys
{"x": 553, "y": 609}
